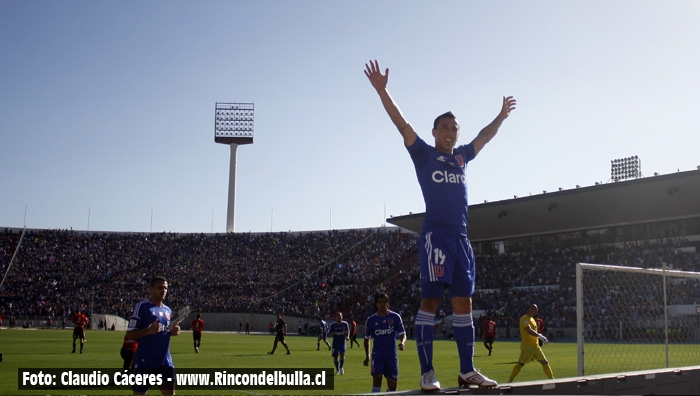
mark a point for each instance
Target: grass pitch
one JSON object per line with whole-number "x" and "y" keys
{"x": 52, "y": 349}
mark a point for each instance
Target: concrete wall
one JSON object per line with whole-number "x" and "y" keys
{"x": 259, "y": 323}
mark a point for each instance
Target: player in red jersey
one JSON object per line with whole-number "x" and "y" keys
{"x": 129, "y": 348}
{"x": 197, "y": 326}
{"x": 79, "y": 323}
{"x": 540, "y": 327}
{"x": 489, "y": 333}
{"x": 353, "y": 333}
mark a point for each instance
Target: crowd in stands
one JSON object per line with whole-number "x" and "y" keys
{"x": 57, "y": 271}
{"x": 302, "y": 274}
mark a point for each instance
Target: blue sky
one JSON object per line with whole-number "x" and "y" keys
{"x": 107, "y": 108}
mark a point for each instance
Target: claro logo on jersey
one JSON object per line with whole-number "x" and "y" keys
{"x": 379, "y": 332}
{"x": 450, "y": 178}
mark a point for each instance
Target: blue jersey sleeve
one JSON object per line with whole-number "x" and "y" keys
{"x": 137, "y": 319}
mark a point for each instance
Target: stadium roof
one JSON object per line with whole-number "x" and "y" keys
{"x": 650, "y": 199}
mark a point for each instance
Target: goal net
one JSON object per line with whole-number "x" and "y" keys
{"x": 630, "y": 319}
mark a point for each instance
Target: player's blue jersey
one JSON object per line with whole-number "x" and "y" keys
{"x": 443, "y": 181}
{"x": 385, "y": 330}
{"x": 340, "y": 332}
{"x": 323, "y": 328}
{"x": 154, "y": 349}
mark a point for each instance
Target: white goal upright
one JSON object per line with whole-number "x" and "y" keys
{"x": 631, "y": 319}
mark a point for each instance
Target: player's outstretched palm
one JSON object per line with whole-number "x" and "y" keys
{"x": 376, "y": 78}
{"x": 508, "y": 105}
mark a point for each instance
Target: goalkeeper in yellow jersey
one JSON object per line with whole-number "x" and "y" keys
{"x": 529, "y": 347}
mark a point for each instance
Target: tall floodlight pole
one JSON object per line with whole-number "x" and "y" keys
{"x": 233, "y": 126}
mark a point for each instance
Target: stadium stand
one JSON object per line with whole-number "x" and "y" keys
{"x": 525, "y": 246}
{"x": 301, "y": 274}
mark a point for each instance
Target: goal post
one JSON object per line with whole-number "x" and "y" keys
{"x": 631, "y": 319}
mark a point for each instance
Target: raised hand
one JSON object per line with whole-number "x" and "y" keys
{"x": 375, "y": 76}
{"x": 508, "y": 105}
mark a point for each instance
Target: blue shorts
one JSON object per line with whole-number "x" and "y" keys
{"x": 388, "y": 367}
{"x": 446, "y": 261}
{"x": 338, "y": 349}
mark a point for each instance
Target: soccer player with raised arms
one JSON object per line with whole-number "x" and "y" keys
{"x": 446, "y": 256}
{"x": 385, "y": 327}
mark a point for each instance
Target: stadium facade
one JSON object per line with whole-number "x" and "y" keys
{"x": 650, "y": 208}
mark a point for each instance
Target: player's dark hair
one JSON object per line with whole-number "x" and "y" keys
{"x": 446, "y": 115}
{"x": 157, "y": 279}
{"x": 380, "y": 295}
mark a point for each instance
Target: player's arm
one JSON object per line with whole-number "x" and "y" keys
{"x": 490, "y": 130}
{"x": 536, "y": 334}
{"x": 366, "y": 362}
{"x": 402, "y": 344}
{"x": 379, "y": 82}
{"x": 135, "y": 334}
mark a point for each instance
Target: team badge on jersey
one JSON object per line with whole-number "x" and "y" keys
{"x": 460, "y": 160}
{"x": 439, "y": 270}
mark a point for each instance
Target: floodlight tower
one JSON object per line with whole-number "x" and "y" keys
{"x": 233, "y": 126}
{"x": 626, "y": 168}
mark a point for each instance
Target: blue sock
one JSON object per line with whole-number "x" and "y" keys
{"x": 342, "y": 363}
{"x": 425, "y": 332}
{"x": 336, "y": 365}
{"x": 463, "y": 329}
{"x": 376, "y": 390}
